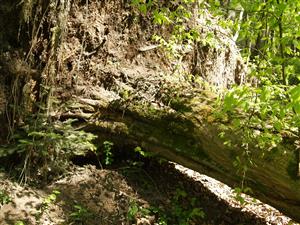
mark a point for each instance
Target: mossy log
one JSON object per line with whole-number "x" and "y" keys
{"x": 159, "y": 103}
{"x": 93, "y": 56}
{"x": 188, "y": 139}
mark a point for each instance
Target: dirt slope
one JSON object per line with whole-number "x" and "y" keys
{"x": 93, "y": 54}
{"x": 108, "y": 197}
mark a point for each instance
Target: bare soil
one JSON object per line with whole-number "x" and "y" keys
{"x": 99, "y": 57}
{"x": 110, "y": 196}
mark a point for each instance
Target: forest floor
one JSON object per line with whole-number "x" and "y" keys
{"x": 140, "y": 192}
{"x": 143, "y": 191}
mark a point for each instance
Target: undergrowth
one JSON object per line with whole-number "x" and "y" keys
{"x": 46, "y": 147}
{"x": 4, "y": 198}
{"x": 182, "y": 210}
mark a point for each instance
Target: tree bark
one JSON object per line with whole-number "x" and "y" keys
{"x": 90, "y": 55}
{"x": 188, "y": 139}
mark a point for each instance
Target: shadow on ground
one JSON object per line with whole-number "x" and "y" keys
{"x": 133, "y": 192}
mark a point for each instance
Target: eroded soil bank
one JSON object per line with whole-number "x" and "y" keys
{"x": 99, "y": 65}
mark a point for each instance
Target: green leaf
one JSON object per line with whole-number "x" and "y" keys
{"x": 19, "y": 223}
{"x": 143, "y": 8}
{"x": 295, "y": 93}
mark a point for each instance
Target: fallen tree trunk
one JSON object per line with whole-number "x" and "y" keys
{"x": 186, "y": 138}
{"x": 103, "y": 70}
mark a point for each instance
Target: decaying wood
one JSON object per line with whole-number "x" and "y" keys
{"x": 145, "y": 98}
{"x": 187, "y": 139}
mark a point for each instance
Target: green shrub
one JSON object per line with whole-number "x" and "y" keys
{"x": 48, "y": 144}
